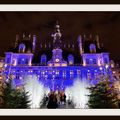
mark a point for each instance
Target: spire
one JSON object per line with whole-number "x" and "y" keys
{"x": 16, "y": 41}
{"x": 56, "y": 36}
{"x": 34, "y": 43}
{"x": 90, "y": 36}
{"x": 57, "y": 32}
{"x": 41, "y": 45}
{"x": 73, "y": 46}
{"x": 45, "y": 45}
{"x": 80, "y": 44}
{"x": 84, "y": 37}
{"x": 49, "y": 45}
{"x": 97, "y": 40}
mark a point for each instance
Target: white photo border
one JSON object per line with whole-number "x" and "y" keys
{"x": 58, "y": 112}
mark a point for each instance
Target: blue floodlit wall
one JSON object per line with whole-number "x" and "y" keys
{"x": 56, "y": 77}
{"x": 20, "y": 66}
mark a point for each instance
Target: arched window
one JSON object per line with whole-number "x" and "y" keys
{"x": 21, "y": 48}
{"x": 43, "y": 60}
{"x": 70, "y": 59}
{"x": 92, "y": 48}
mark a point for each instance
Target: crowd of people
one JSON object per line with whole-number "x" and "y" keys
{"x": 56, "y": 100}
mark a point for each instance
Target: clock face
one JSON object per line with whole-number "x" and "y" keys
{"x": 56, "y": 60}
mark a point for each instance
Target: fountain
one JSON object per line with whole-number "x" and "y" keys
{"x": 36, "y": 91}
{"x": 78, "y": 93}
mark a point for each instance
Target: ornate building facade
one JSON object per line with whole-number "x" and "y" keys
{"x": 61, "y": 68}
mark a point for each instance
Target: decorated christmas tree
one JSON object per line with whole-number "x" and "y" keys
{"x": 103, "y": 94}
{"x": 14, "y": 98}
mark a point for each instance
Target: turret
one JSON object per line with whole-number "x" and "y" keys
{"x": 56, "y": 37}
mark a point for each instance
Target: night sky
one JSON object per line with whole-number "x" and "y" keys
{"x": 105, "y": 24}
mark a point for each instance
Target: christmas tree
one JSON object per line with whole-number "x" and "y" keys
{"x": 103, "y": 94}
{"x": 14, "y": 98}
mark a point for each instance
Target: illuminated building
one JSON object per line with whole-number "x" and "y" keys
{"x": 1, "y": 80}
{"x": 59, "y": 70}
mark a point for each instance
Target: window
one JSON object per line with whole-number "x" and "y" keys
{"x": 64, "y": 74}
{"x": 17, "y": 76}
{"x": 70, "y": 59}
{"x": 43, "y": 72}
{"x": 8, "y": 60}
{"x": 22, "y": 61}
{"x": 57, "y": 72}
{"x": 87, "y": 61}
{"x": 88, "y": 76}
{"x": 78, "y": 72}
{"x": 105, "y": 60}
{"x": 26, "y": 61}
{"x": 35, "y": 71}
{"x": 19, "y": 61}
{"x": 43, "y": 59}
{"x": 94, "y": 61}
{"x": 21, "y": 48}
{"x": 71, "y": 72}
{"x": 96, "y": 75}
{"x": 92, "y": 48}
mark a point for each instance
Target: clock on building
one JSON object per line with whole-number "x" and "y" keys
{"x": 57, "y": 60}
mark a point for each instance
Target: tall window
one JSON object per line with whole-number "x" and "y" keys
{"x": 94, "y": 61}
{"x": 19, "y": 61}
{"x": 21, "y": 48}
{"x": 92, "y": 48}
{"x": 26, "y": 61}
{"x": 88, "y": 76}
{"x": 57, "y": 72}
{"x": 43, "y": 59}
{"x": 87, "y": 61}
{"x": 70, "y": 59}
{"x": 96, "y": 75}
{"x": 78, "y": 72}
{"x": 17, "y": 77}
{"x": 8, "y": 60}
{"x": 64, "y": 74}
{"x": 105, "y": 60}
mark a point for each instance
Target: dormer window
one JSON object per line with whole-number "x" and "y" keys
{"x": 21, "y": 48}
{"x": 43, "y": 59}
{"x": 70, "y": 59}
{"x": 92, "y": 48}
